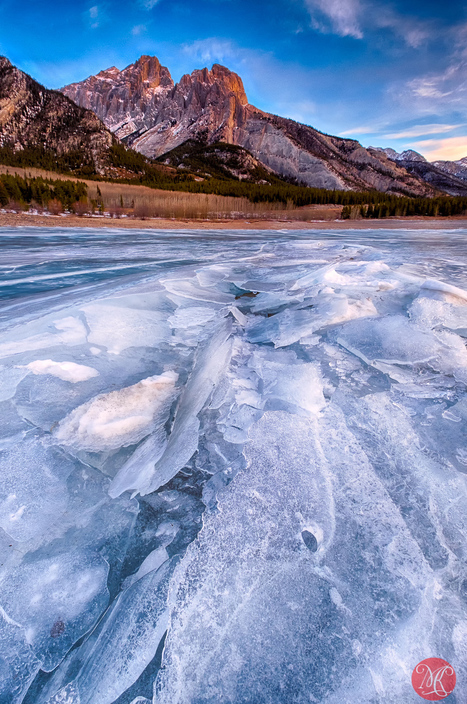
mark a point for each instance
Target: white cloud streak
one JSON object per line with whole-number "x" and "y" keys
{"x": 421, "y": 131}
{"x": 352, "y": 18}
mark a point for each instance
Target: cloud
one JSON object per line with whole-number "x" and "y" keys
{"x": 96, "y": 15}
{"x": 148, "y": 4}
{"x": 354, "y": 18}
{"x": 445, "y": 89}
{"x": 420, "y": 131}
{"x": 343, "y": 15}
{"x": 212, "y": 50}
{"x": 364, "y": 129}
{"x": 449, "y": 149}
{"x": 138, "y": 29}
{"x": 301, "y": 110}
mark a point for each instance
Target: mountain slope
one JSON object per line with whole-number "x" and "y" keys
{"x": 143, "y": 106}
{"x": 219, "y": 160}
{"x": 454, "y": 168}
{"x": 35, "y": 118}
{"x": 447, "y": 176}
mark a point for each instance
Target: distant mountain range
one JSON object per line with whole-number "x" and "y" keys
{"x": 447, "y": 176}
{"x": 203, "y": 125}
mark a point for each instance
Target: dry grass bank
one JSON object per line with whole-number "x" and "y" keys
{"x": 144, "y": 202}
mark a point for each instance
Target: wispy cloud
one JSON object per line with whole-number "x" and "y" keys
{"x": 148, "y": 4}
{"x": 421, "y": 131}
{"x": 138, "y": 29}
{"x": 448, "y": 149}
{"x": 302, "y": 111}
{"x": 363, "y": 129}
{"x": 443, "y": 90}
{"x": 93, "y": 14}
{"x": 212, "y": 50}
{"x": 356, "y": 18}
{"x": 343, "y": 16}
{"x": 97, "y": 15}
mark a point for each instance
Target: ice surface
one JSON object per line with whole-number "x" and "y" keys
{"x": 33, "y": 491}
{"x": 233, "y": 466}
{"x": 68, "y": 331}
{"x": 56, "y": 600}
{"x": 9, "y": 380}
{"x": 191, "y": 316}
{"x": 118, "y": 328}
{"x": 127, "y": 640}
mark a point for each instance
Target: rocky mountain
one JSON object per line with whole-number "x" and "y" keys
{"x": 447, "y": 176}
{"x": 408, "y": 155}
{"x": 454, "y": 168}
{"x": 143, "y": 107}
{"x": 35, "y": 118}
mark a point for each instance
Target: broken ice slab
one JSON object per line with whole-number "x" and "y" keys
{"x": 117, "y": 328}
{"x": 210, "y": 364}
{"x": 289, "y": 326}
{"x": 127, "y": 641}
{"x": 190, "y": 289}
{"x": 56, "y": 600}
{"x": 18, "y": 663}
{"x": 396, "y": 340}
{"x": 42, "y": 334}
{"x": 33, "y": 491}
{"x": 119, "y": 418}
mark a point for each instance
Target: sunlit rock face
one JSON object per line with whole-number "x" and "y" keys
{"x": 236, "y": 475}
{"x": 127, "y": 101}
{"x": 143, "y": 107}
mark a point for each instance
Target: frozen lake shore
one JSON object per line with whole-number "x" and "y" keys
{"x": 233, "y": 465}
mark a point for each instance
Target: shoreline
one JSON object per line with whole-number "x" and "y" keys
{"x": 73, "y": 221}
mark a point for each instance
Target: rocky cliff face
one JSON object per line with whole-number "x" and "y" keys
{"x": 127, "y": 101}
{"x": 33, "y": 117}
{"x": 142, "y": 106}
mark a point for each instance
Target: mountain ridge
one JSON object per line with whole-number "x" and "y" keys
{"x": 160, "y": 115}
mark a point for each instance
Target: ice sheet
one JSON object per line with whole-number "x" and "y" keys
{"x": 233, "y": 466}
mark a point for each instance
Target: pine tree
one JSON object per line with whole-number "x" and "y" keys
{"x": 4, "y": 197}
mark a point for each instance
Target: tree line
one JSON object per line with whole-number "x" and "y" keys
{"x": 41, "y": 191}
{"x": 139, "y": 170}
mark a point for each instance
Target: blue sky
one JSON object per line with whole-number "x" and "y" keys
{"x": 385, "y": 73}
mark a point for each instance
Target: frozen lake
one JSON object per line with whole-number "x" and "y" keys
{"x": 233, "y": 465}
